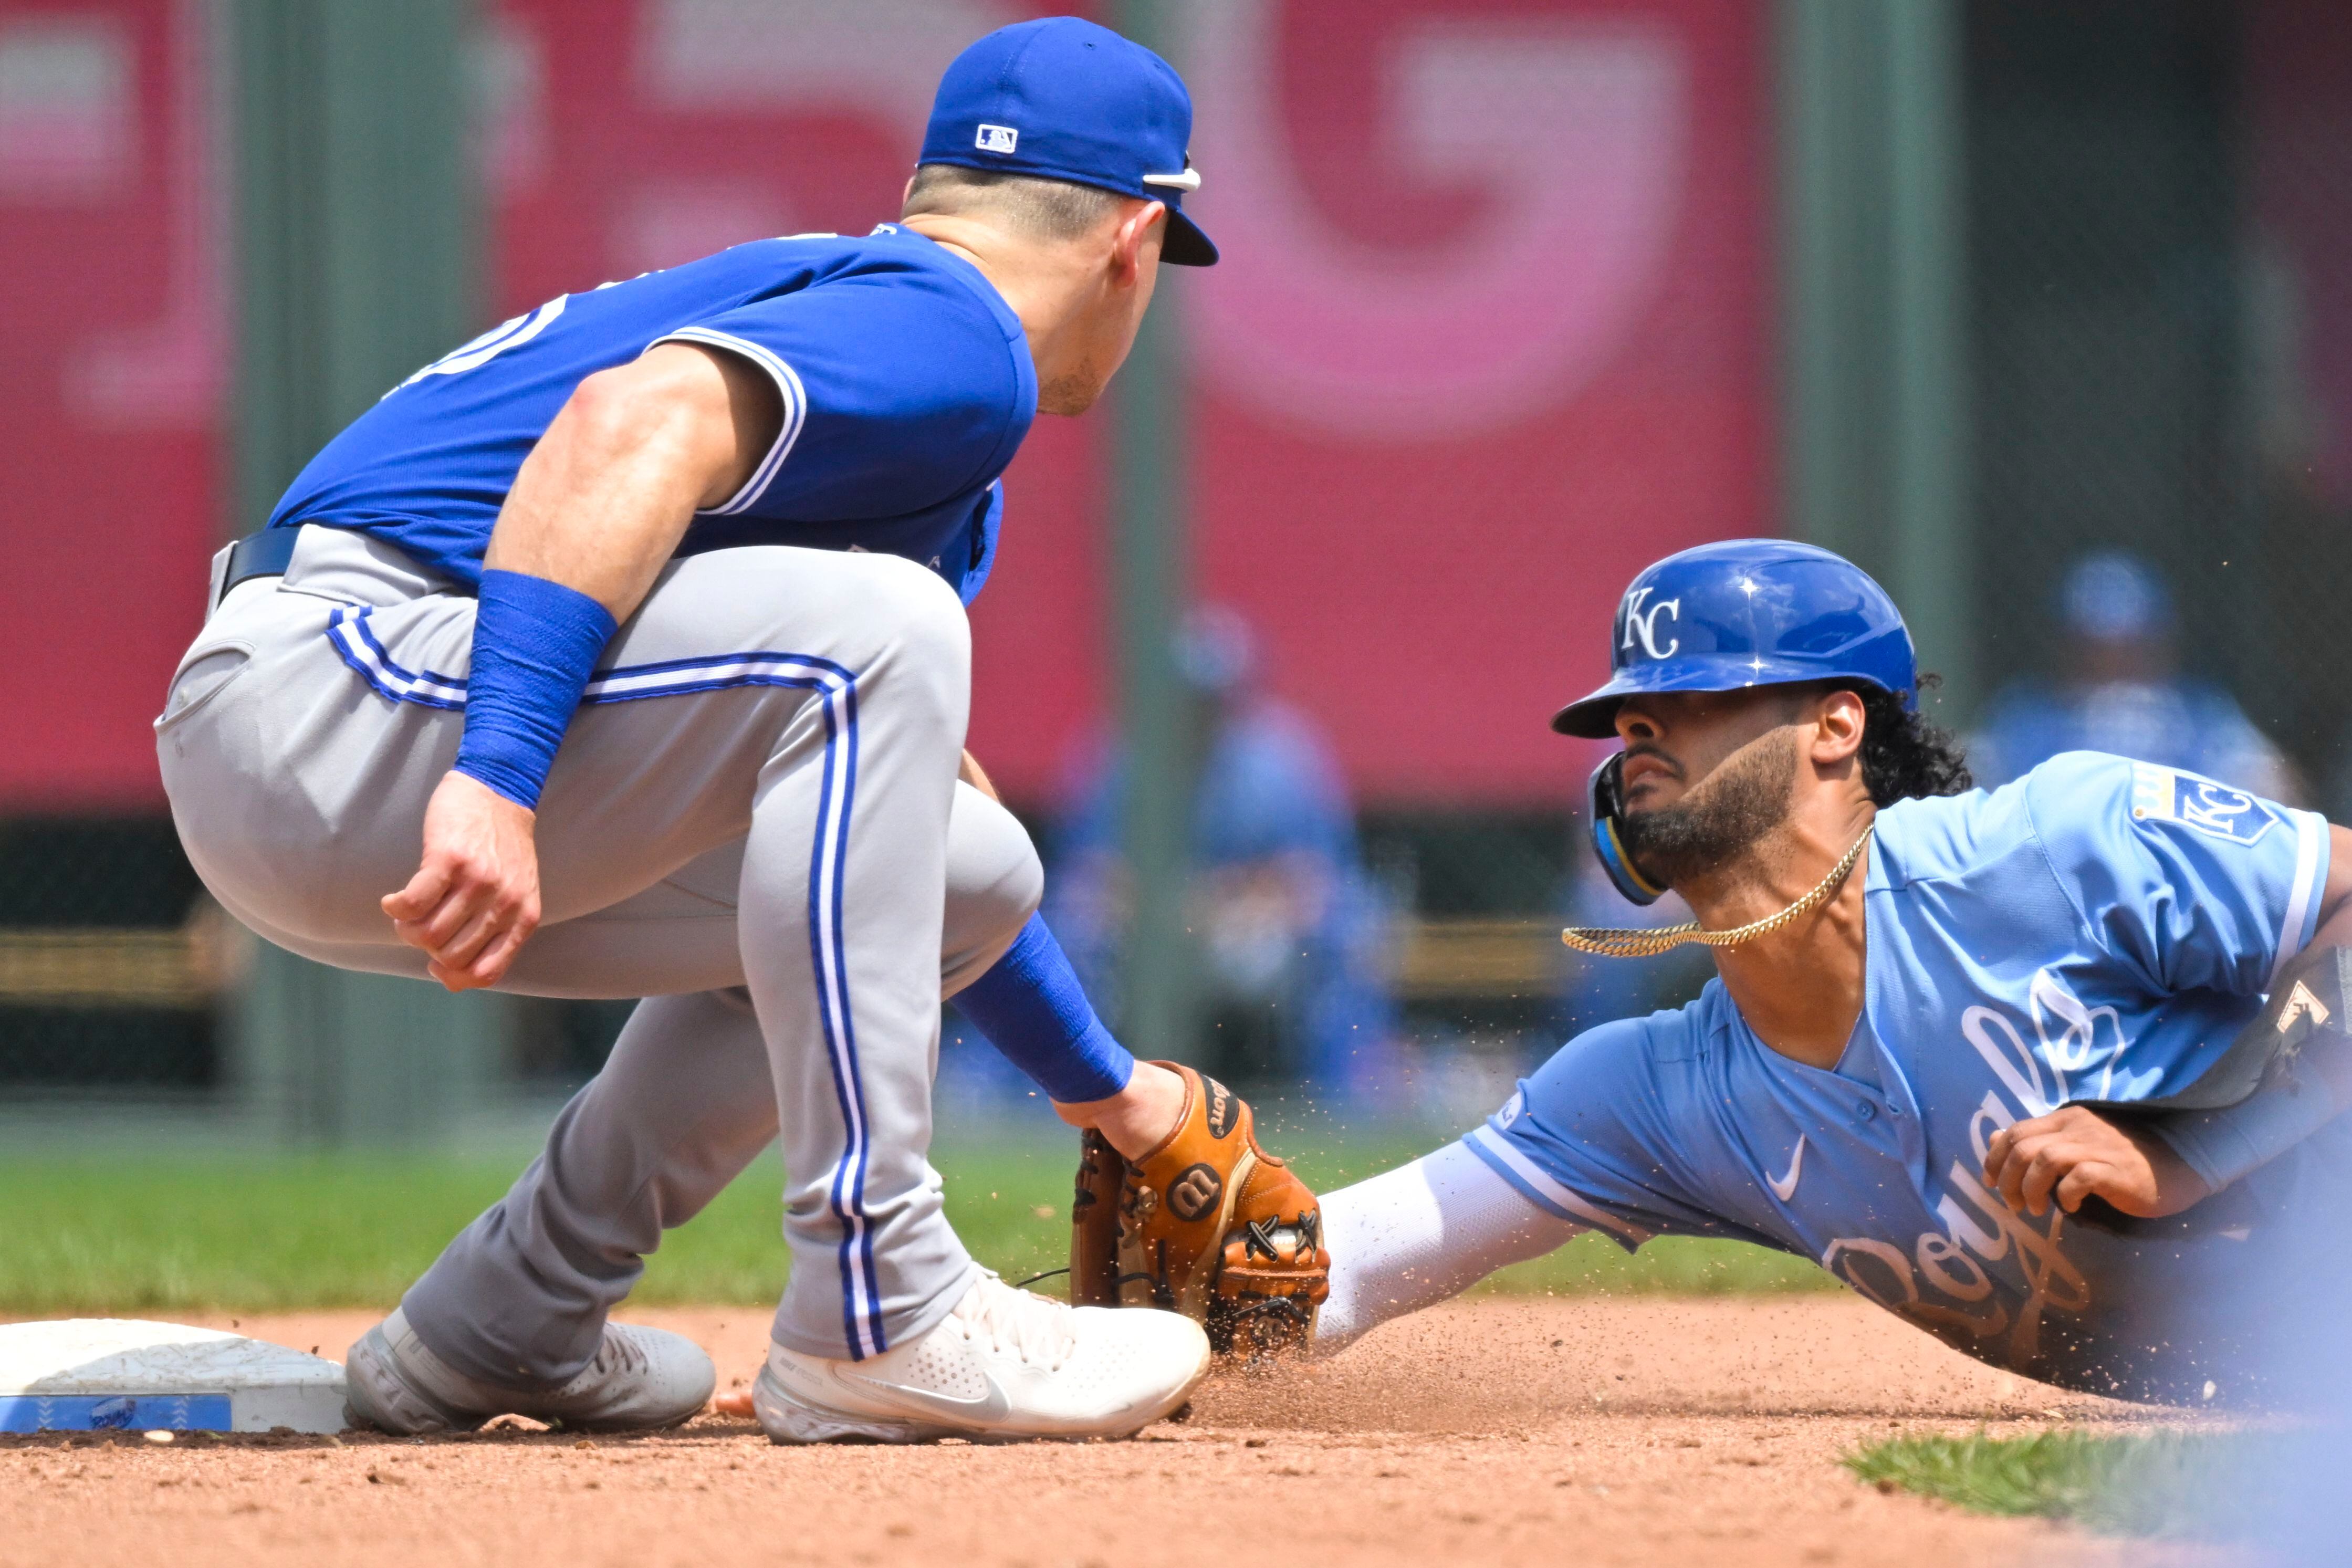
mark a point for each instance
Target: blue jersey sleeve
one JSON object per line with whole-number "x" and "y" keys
{"x": 900, "y": 392}
{"x": 2194, "y": 884}
{"x": 1590, "y": 1136}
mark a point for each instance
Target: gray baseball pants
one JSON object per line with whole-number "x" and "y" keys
{"x": 754, "y": 824}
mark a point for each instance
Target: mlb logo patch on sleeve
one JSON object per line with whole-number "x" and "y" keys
{"x": 997, "y": 139}
{"x": 2167, "y": 794}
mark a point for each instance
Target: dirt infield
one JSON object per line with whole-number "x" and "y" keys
{"x": 1584, "y": 1432}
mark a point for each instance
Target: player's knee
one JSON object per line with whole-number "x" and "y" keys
{"x": 1019, "y": 892}
{"x": 995, "y": 879}
{"x": 911, "y": 612}
{"x": 995, "y": 882}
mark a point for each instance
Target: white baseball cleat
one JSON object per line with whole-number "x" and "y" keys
{"x": 1004, "y": 1366}
{"x": 641, "y": 1379}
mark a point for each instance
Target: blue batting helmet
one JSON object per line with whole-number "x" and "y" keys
{"x": 1743, "y": 613}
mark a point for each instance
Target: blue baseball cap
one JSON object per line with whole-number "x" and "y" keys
{"x": 1061, "y": 99}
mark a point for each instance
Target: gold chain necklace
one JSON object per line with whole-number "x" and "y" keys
{"x": 1609, "y": 941}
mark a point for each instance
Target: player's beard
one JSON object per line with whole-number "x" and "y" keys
{"x": 1727, "y": 812}
{"x": 1073, "y": 392}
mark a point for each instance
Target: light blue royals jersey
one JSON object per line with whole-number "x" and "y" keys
{"x": 2098, "y": 929}
{"x": 905, "y": 380}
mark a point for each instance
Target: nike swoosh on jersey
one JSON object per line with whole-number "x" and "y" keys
{"x": 1785, "y": 1187}
{"x": 988, "y": 1408}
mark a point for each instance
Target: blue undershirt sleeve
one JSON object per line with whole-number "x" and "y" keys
{"x": 2223, "y": 1146}
{"x": 1033, "y": 1009}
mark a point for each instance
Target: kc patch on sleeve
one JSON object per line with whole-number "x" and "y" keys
{"x": 2167, "y": 794}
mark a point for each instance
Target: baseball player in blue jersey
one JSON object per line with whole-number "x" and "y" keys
{"x": 2003, "y": 1062}
{"x": 647, "y": 608}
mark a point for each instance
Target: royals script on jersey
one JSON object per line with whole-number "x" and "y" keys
{"x": 905, "y": 380}
{"x": 2098, "y": 929}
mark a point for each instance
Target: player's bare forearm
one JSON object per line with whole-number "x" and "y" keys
{"x": 603, "y": 501}
{"x": 599, "y": 506}
{"x": 972, "y": 774}
{"x": 1138, "y": 1117}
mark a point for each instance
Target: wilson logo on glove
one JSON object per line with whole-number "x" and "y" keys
{"x": 1221, "y": 1107}
{"x": 1194, "y": 1194}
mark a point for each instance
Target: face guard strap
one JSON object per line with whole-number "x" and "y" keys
{"x": 1605, "y": 803}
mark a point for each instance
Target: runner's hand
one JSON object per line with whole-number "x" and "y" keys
{"x": 2075, "y": 1154}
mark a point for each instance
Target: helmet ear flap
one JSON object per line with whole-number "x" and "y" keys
{"x": 1605, "y": 798}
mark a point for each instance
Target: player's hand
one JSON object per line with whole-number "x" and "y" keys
{"x": 474, "y": 900}
{"x": 2075, "y": 1154}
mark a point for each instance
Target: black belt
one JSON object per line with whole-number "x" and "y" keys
{"x": 263, "y": 555}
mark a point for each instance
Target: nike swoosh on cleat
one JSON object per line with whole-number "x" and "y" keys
{"x": 1785, "y": 1187}
{"x": 986, "y": 1410}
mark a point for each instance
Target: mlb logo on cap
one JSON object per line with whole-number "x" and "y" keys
{"x": 1063, "y": 99}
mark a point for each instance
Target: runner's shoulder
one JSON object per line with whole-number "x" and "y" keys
{"x": 1640, "y": 1045}
{"x": 2051, "y": 805}
{"x": 2093, "y": 809}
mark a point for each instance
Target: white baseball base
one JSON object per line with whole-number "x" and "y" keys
{"x": 84, "y": 1375}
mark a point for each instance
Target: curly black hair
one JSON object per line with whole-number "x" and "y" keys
{"x": 1903, "y": 755}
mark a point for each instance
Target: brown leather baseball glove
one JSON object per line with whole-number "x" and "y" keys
{"x": 1208, "y": 1224}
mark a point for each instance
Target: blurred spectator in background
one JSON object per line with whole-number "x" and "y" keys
{"x": 2121, "y": 691}
{"x": 1291, "y": 933}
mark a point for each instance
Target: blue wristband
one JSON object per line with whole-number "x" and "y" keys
{"x": 535, "y": 644}
{"x": 1033, "y": 1009}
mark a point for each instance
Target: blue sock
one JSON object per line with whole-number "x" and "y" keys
{"x": 1033, "y": 1009}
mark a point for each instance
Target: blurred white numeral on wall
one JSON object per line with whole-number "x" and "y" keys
{"x": 1574, "y": 131}
{"x": 878, "y": 57}
{"x": 68, "y": 108}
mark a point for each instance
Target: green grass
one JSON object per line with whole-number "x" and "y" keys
{"x": 2116, "y": 1485}
{"x": 83, "y": 1233}
{"x": 1674, "y": 1265}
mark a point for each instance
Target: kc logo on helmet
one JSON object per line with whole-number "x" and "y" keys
{"x": 1646, "y": 625}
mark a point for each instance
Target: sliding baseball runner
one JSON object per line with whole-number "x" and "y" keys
{"x": 2054, "y": 1071}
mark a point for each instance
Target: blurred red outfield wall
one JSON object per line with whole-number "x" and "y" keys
{"x": 1492, "y": 333}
